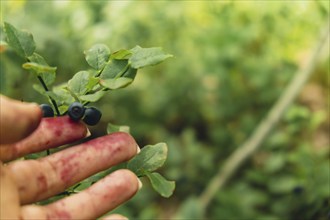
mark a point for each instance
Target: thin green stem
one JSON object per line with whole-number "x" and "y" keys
{"x": 123, "y": 71}
{"x": 51, "y": 99}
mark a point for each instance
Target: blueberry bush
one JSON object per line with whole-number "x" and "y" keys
{"x": 232, "y": 60}
{"x": 111, "y": 71}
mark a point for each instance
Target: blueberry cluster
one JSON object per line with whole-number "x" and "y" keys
{"x": 76, "y": 111}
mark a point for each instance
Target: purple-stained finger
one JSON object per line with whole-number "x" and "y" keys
{"x": 53, "y": 174}
{"x": 91, "y": 203}
{"x": 97, "y": 200}
{"x": 51, "y": 132}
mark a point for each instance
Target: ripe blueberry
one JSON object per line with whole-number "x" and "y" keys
{"x": 47, "y": 110}
{"x": 76, "y": 111}
{"x": 92, "y": 116}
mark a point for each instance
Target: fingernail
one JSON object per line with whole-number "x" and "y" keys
{"x": 140, "y": 183}
{"x": 137, "y": 149}
{"x": 115, "y": 217}
{"x": 88, "y": 133}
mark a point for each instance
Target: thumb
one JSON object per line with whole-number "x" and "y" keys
{"x": 17, "y": 119}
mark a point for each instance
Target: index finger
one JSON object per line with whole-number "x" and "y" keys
{"x": 17, "y": 119}
{"x": 52, "y": 132}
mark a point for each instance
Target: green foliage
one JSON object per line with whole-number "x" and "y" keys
{"x": 232, "y": 61}
{"x": 21, "y": 41}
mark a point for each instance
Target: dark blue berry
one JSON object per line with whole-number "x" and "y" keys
{"x": 76, "y": 111}
{"x": 92, "y": 116}
{"x": 47, "y": 110}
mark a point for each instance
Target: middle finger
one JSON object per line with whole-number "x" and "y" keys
{"x": 42, "y": 178}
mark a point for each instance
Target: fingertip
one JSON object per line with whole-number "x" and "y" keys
{"x": 123, "y": 182}
{"x": 129, "y": 179}
{"x": 18, "y": 119}
{"x": 125, "y": 141}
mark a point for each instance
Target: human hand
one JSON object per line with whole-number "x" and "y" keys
{"x": 23, "y": 182}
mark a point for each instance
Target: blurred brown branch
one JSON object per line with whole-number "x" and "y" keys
{"x": 252, "y": 144}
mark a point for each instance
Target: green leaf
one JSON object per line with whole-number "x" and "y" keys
{"x": 114, "y": 69}
{"x": 142, "y": 57}
{"x": 37, "y": 58}
{"x": 62, "y": 98}
{"x": 63, "y": 108}
{"x": 21, "y": 41}
{"x": 163, "y": 186}
{"x": 116, "y": 83}
{"x": 92, "y": 97}
{"x": 48, "y": 75}
{"x": 130, "y": 73}
{"x": 111, "y": 128}
{"x": 149, "y": 159}
{"x": 97, "y": 56}
{"x": 82, "y": 82}
{"x": 121, "y": 54}
{"x": 61, "y": 95}
{"x": 46, "y": 72}
{"x": 39, "y": 68}
{"x": 39, "y": 89}
{"x": 92, "y": 82}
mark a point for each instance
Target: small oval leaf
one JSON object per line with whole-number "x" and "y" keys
{"x": 163, "y": 186}
{"x": 111, "y": 128}
{"x": 121, "y": 54}
{"x": 79, "y": 83}
{"x": 149, "y": 159}
{"x": 39, "y": 68}
{"x": 114, "y": 69}
{"x": 92, "y": 97}
{"x": 142, "y": 57}
{"x": 21, "y": 41}
{"x": 97, "y": 56}
{"x": 116, "y": 83}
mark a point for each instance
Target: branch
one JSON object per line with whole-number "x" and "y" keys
{"x": 240, "y": 155}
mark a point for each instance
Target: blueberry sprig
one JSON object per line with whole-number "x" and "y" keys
{"x": 107, "y": 71}
{"x": 76, "y": 111}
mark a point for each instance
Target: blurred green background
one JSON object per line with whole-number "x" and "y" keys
{"x": 232, "y": 60}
